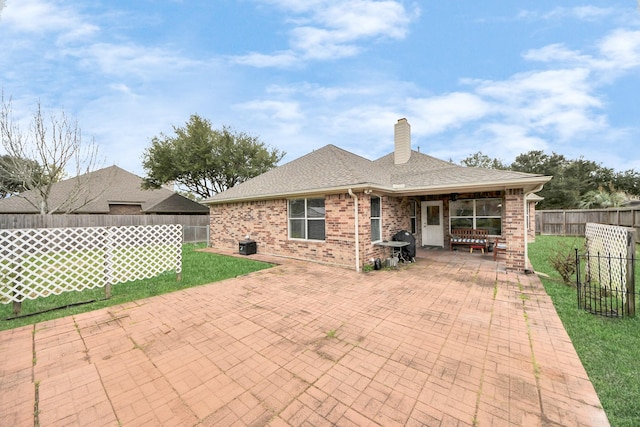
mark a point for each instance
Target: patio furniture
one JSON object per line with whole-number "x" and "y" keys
{"x": 469, "y": 236}
{"x": 499, "y": 246}
{"x": 476, "y": 246}
{"x": 396, "y": 249}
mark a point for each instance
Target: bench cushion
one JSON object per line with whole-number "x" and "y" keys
{"x": 468, "y": 240}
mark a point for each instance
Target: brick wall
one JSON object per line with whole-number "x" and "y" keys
{"x": 266, "y": 222}
{"x": 514, "y": 228}
{"x": 395, "y": 217}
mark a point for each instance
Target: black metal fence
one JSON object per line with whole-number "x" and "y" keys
{"x": 606, "y": 284}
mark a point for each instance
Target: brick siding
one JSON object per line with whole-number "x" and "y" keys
{"x": 513, "y": 228}
{"x": 266, "y": 222}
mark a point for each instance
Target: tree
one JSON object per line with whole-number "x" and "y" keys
{"x": 602, "y": 198}
{"x": 575, "y": 183}
{"x": 556, "y": 192}
{"x": 627, "y": 181}
{"x": 44, "y": 155}
{"x": 10, "y": 182}
{"x": 479, "y": 160}
{"x": 206, "y": 161}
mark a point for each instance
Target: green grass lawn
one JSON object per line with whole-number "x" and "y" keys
{"x": 198, "y": 268}
{"x": 609, "y": 348}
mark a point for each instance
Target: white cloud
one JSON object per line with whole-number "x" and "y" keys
{"x": 512, "y": 139}
{"x": 130, "y": 60}
{"x": 621, "y": 49}
{"x": 42, "y": 17}
{"x": 276, "y": 110}
{"x": 284, "y": 59}
{"x": 325, "y": 29}
{"x": 556, "y": 53}
{"x": 556, "y": 101}
{"x": 441, "y": 113}
{"x": 584, "y": 13}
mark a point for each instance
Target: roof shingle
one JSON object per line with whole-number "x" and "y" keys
{"x": 333, "y": 169}
{"x": 99, "y": 189}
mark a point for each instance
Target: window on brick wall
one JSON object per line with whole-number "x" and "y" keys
{"x": 307, "y": 219}
{"x": 376, "y": 219}
{"x": 484, "y": 214}
{"x": 413, "y": 208}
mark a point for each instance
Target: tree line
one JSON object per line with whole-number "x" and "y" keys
{"x": 576, "y": 183}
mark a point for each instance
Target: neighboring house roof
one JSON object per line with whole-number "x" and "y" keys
{"x": 92, "y": 193}
{"x": 332, "y": 170}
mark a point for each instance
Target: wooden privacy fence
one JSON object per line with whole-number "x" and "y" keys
{"x": 195, "y": 228}
{"x": 36, "y": 263}
{"x": 10, "y": 221}
{"x": 573, "y": 222}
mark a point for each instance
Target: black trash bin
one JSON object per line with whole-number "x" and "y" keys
{"x": 248, "y": 247}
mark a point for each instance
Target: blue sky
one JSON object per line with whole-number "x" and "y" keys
{"x": 493, "y": 76}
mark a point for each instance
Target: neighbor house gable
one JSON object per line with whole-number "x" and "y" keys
{"x": 110, "y": 190}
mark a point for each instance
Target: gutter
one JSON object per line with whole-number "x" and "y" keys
{"x": 357, "y": 235}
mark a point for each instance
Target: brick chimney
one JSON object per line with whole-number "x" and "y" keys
{"x": 402, "y": 139}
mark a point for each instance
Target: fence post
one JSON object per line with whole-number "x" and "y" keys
{"x": 578, "y": 278}
{"x": 179, "y": 254}
{"x": 631, "y": 277}
{"x": 15, "y": 255}
{"x": 17, "y": 305}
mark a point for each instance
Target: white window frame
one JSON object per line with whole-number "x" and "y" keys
{"x": 306, "y": 219}
{"x": 376, "y": 218}
{"x": 413, "y": 217}
{"x": 474, "y": 217}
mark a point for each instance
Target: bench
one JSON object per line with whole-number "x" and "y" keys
{"x": 475, "y": 239}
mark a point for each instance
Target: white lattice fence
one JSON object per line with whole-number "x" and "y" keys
{"x": 605, "y": 242}
{"x": 37, "y": 263}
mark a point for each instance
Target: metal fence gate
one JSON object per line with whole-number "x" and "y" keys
{"x": 606, "y": 284}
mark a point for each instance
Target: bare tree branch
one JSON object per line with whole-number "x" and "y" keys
{"x": 55, "y": 148}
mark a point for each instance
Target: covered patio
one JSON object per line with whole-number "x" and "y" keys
{"x": 452, "y": 340}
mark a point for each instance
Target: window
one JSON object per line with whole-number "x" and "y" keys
{"x": 376, "y": 219}
{"x": 306, "y": 219}
{"x": 412, "y": 216}
{"x": 484, "y": 214}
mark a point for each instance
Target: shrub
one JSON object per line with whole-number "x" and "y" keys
{"x": 563, "y": 260}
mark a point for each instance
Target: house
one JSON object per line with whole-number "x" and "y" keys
{"x": 332, "y": 206}
{"x": 111, "y": 190}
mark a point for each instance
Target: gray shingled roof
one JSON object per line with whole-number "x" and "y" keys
{"x": 111, "y": 185}
{"x": 332, "y": 169}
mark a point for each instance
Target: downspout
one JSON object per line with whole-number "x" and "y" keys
{"x": 526, "y": 230}
{"x": 357, "y": 235}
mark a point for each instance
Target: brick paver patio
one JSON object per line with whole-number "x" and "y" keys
{"x": 452, "y": 340}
